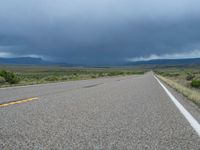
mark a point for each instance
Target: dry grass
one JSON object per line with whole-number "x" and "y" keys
{"x": 191, "y": 94}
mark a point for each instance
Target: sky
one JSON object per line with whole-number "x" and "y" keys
{"x": 100, "y": 31}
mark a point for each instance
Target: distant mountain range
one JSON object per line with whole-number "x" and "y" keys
{"x": 156, "y": 62}
{"x": 22, "y": 61}
{"x": 30, "y": 61}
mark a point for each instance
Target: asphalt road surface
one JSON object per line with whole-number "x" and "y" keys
{"x": 132, "y": 112}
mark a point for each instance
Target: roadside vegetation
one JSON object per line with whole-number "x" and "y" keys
{"x": 26, "y": 75}
{"x": 184, "y": 80}
{"x": 8, "y": 77}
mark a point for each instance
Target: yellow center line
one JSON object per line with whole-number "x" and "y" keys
{"x": 18, "y": 101}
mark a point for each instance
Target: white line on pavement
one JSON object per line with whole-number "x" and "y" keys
{"x": 193, "y": 122}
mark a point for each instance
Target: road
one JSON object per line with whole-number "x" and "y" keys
{"x": 132, "y": 112}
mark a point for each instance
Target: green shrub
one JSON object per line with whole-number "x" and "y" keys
{"x": 51, "y": 78}
{"x": 189, "y": 77}
{"x": 173, "y": 74}
{"x": 101, "y": 74}
{"x": 64, "y": 78}
{"x": 2, "y": 80}
{"x": 93, "y": 76}
{"x": 9, "y": 77}
{"x": 195, "y": 83}
{"x": 114, "y": 73}
{"x": 168, "y": 74}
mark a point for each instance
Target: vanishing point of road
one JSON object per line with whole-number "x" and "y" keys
{"x": 119, "y": 113}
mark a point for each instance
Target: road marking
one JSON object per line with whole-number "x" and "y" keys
{"x": 18, "y": 101}
{"x": 193, "y": 122}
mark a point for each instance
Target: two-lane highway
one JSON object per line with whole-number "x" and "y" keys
{"x": 132, "y": 112}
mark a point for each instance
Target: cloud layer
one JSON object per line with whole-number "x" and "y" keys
{"x": 98, "y": 32}
{"x": 184, "y": 55}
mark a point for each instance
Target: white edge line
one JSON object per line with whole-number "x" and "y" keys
{"x": 193, "y": 122}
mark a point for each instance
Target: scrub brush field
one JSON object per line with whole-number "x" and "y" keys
{"x": 184, "y": 80}
{"x": 27, "y": 75}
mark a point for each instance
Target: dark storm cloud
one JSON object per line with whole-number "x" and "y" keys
{"x": 106, "y": 31}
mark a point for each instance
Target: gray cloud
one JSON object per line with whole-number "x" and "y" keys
{"x": 183, "y": 55}
{"x": 91, "y": 31}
